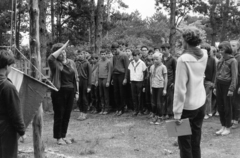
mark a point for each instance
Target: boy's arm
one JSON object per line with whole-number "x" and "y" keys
{"x": 214, "y": 70}
{"x": 234, "y": 70}
{"x": 174, "y": 65}
{"x": 165, "y": 81}
{"x": 109, "y": 72}
{"x": 89, "y": 67}
{"x": 126, "y": 63}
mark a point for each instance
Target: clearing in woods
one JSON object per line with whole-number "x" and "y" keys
{"x": 108, "y": 136}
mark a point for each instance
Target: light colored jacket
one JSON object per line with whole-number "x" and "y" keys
{"x": 189, "y": 93}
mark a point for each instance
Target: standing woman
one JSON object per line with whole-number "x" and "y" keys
{"x": 64, "y": 76}
{"x": 189, "y": 94}
{"x": 11, "y": 116}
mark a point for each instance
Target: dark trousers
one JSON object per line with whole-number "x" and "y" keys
{"x": 148, "y": 96}
{"x": 136, "y": 95}
{"x": 104, "y": 94}
{"x": 236, "y": 105}
{"x": 62, "y": 106}
{"x": 129, "y": 99}
{"x": 168, "y": 101}
{"x": 190, "y": 145}
{"x": 95, "y": 100}
{"x": 224, "y": 104}
{"x": 83, "y": 95}
{"x": 119, "y": 91}
{"x": 8, "y": 143}
{"x": 157, "y": 96}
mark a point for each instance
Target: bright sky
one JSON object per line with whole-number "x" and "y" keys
{"x": 145, "y": 7}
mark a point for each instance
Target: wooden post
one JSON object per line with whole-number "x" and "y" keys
{"x": 36, "y": 61}
{"x": 172, "y": 37}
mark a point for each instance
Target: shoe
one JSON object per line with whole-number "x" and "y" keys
{"x": 226, "y": 132}
{"x": 80, "y": 116}
{"x": 167, "y": 117}
{"x": 116, "y": 114}
{"x": 135, "y": 113}
{"x": 159, "y": 121}
{"x": 146, "y": 112}
{"x": 140, "y": 114}
{"x": 217, "y": 114}
{"x": 101, "y": 113}
{"x": 61, "y": 142}
{"x": 206, "y": 117}
{"x": 67, "y": 141}
{"x": 154, "y": 121}
{"x": 235, "y": 125}
{"x": 105, "y": 113}
{"x": 220, "y": 131}
{"x": 119, "y": 113}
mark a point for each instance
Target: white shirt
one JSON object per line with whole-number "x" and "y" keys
{"x": 136, "y": 70}
{"x": 189, "y": 91}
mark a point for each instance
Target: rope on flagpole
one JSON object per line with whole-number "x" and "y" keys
{"x": 44, "y": 77}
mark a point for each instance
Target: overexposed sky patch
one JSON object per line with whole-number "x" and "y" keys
{"x": 145, "y": 7}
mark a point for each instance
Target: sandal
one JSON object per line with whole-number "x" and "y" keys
{"x": 61, "y": 142}
{"x": 67, "y": 141}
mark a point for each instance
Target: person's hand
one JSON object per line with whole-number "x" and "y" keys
{"x": 107, "y": 84}
{"x": 215, "y": 91}
{"x": 172, "y": 85}
{"x": 76, "y": 96}
{"x": 112, "y": 82}
{"x": 238, "y": 90}
{"x": 96, "y": 84}
{"x": 88, "y": 90}
{"x": 164, "y": 92}
{"x": 22, "y": 138}
{"x": 143, "y": 90}
{"x": 178, "y": 121}
{"x": 230, "y": 94}
{"x": 124, "y": 81}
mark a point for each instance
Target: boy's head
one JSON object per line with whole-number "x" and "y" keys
{"x": 225, "y": 48}
{"x": 165, "y": 49}
{"x": 156, "y": 50}
{"x": 129, "y": 52}
{"x": 115, "y": 48}
{"x": 103, "y": 55}
{"x": 157, "y": 58}
{"x": 6, "y": 60}
{"x": 207, "y": 47}
{"x": 235, "y": 44}
{"x": 94, "y": 58}
{"x": 136, "y": 55}
{"x": 144, "y": 50}
{"x": 63, "y": 54}
{"x": 80, "y": 55}
{"x": 149, "y": 61}
{"x": 150, "y": 52}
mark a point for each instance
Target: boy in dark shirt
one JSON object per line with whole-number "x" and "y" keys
{"x": 170, "y": 63}
{"x": 120, "y": 70}
{"x": 84, "y": 71}
{"x": 103, "y": 81}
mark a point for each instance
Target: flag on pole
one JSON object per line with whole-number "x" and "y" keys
{"x": 31, "y": 93}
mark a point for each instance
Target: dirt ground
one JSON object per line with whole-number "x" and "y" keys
{"x": 108, "y": 136}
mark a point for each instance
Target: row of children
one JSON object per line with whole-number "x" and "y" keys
{"x": 141, "y": 80}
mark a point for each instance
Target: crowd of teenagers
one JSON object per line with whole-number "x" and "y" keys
{"x": 201, "y": 82}
{"x": 198, "y": 84}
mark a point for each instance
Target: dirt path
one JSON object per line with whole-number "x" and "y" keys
{"x": 127, "y": 137}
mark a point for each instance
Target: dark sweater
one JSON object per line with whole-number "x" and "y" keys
{"x": 210, "y": 72}
{"x": 10, "y": 110}
{"x": 84, "y": 69}
{"x": 237, "y": 57}
{"x": 104, "y": 70}
{"x": 171, "y": 65}
{"x": 120, "y": 64}
{"x": 227, "y": 71}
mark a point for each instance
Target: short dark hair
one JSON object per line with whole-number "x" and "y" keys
{"x": 103, "y": 51}
{"x": 165, "y": 45}
{"x": 144, "y": 47}
{"x": 150, "y": 51}
{"x": 56, "y": 46}
{"x": 115, "y": 45}
{"x": 6, "y": 58}
{"x": 226, "y": 46}
{"x": 206, "y": 46}
{"x": 135, "y": 52}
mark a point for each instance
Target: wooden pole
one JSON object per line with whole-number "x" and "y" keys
{"x": 36, "y": 61}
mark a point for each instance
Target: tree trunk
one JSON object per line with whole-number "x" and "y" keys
{"x": 99, "y": 26}
{"x": 92, "y": 27}
{"x": 224, "y": 21}
{"x": 213, "y": 4}
{"x": 52, "y": 19}
{"x": 59, "y": 30}
{"x": 18, "y": 25}
{"x": 43, "y": 31}
{"x": 36, "y": 61}
{"x": 172, "y": 37}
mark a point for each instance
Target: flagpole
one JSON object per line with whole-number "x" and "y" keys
{"x": 36, "y": 61}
